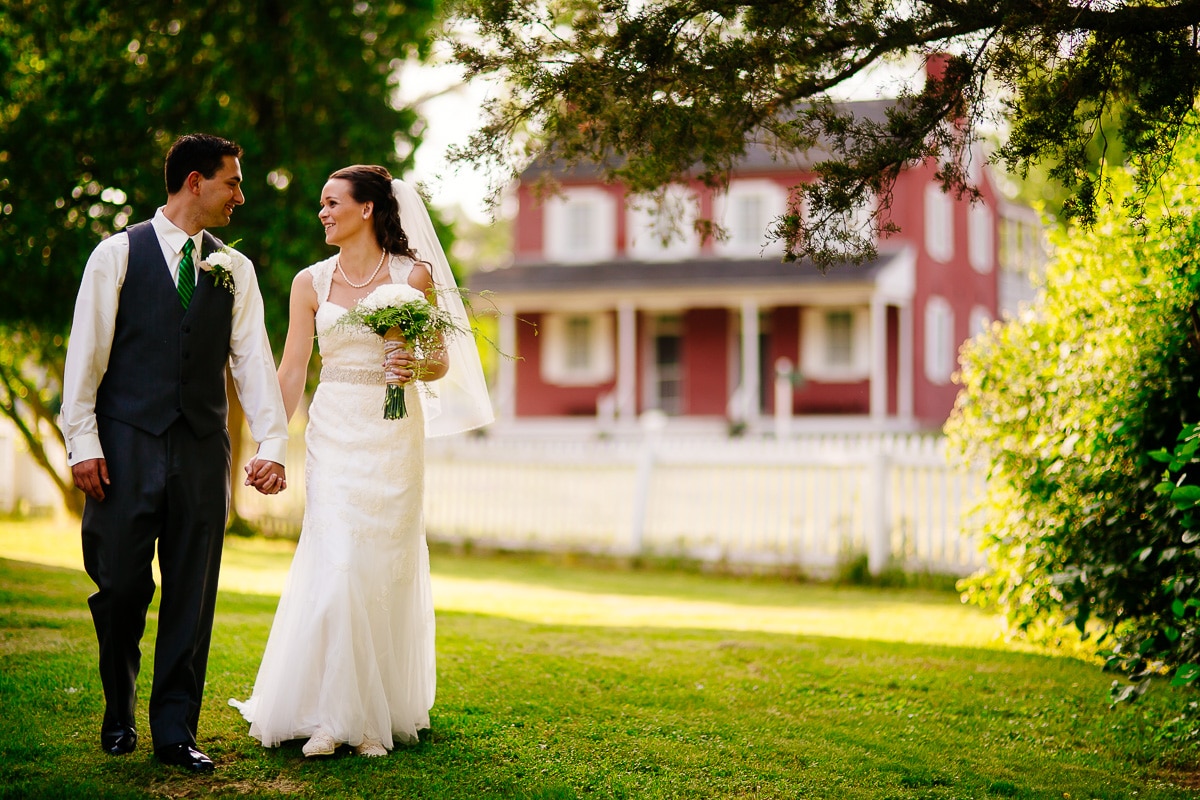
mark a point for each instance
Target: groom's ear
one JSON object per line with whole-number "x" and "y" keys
{"x": 192, "y": 182}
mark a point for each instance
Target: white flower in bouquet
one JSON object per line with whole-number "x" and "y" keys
{"x": 399, "y": 312}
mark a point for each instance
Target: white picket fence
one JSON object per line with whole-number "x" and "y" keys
{"x": 801, "y": 502}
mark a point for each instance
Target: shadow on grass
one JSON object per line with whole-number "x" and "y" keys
{"x": 536, "y": 710}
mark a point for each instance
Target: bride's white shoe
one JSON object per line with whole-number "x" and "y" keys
{"x": 320, "y": 744}
{"x": 372, "y": 748}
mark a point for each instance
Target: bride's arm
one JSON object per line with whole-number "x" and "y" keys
{"x": 436, "y": 364}
{"x": 297, "y": 348}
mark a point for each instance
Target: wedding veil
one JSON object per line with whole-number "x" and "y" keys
{"x": 458, "y": 401}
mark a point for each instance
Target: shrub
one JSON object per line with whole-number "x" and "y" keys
{"x": 1066, "y": 404}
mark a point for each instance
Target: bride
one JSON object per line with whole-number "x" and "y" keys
{"x": 350, "y": 656}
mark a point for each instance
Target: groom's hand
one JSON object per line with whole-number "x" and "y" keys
{"x": 91, "y": 477}
{"x": 266, "y": 476}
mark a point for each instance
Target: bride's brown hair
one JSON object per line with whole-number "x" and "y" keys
{"x": 373, "y": 184}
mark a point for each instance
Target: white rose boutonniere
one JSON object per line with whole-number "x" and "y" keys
{"x": 220, "y": 265}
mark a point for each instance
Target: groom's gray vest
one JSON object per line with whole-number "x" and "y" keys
{"x": 167, "y": 363}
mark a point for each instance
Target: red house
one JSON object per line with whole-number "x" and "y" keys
{"x": 632, "y": 313}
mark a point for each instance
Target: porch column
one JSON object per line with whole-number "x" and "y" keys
{"x": 751, "y": 380}
{"x": 879, "y": 373}
{"x": 904, "y": 364}
{"x": 626, "y": 361}
{"x": 506, "y": 365}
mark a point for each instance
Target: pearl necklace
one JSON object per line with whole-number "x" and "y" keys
{"x": 368, "y": 281}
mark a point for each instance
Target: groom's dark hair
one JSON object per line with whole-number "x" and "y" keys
{"x": 196, "y": 152}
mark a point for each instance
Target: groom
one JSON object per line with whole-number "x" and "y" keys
{"x": 144, "y": 415}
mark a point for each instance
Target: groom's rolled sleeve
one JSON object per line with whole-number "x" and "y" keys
{"x": 90, "y": 344}
{"x": 253, "y": 367}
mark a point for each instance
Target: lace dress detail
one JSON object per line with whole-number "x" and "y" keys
{"x": 351, "y": 650}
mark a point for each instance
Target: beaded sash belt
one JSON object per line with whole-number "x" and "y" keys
{"x": 364, "y": 377}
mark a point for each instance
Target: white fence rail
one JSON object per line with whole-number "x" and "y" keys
{"x": 802, "y": 502}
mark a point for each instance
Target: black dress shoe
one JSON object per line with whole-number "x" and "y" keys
{"x": 119, "y": 740}
{"x": 186, "y": 756}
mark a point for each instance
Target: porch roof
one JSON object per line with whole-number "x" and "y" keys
{"x": 710, "y": 272}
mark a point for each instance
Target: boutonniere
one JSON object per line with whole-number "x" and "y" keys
{"x": 220, "y": 264}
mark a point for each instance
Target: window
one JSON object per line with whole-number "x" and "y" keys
{"x": 577, "y": 349}
{"x": 662, "y": 228}
{"x": 580, "y": 226}
{"x": 835, "y": 343}
{"x": 579, "y": 343}
{"x": 981, "y": 318}
{"x": 981, "y": 244}
{"x": 839, "y": 342}
{"x": 747, "y": 212}
{"x": 939, "y": 223}
{"x": 939, "y": 340}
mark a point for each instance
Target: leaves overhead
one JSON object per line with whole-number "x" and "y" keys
{"x": 94, "y": 93}
{"x": 669, "y": 90}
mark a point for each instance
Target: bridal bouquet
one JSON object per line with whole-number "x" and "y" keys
{"x": 400, "y": 313}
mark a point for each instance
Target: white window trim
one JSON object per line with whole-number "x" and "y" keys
{"x": 814, "y": 345}
{"x": 554, "y": 366}
{"x": 645, "y": 243}
{"x": 981, "y": 319}
{"x": 981, "y": 238}
{"x": 601, "y": 243}
{"x": 940, "y": 347}
{"x": 774, "y": 205}
{"x": 939, "y": 223}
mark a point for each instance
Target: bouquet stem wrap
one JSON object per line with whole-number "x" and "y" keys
{"x": 393, "y": 400}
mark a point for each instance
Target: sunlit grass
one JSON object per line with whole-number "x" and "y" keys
{"x": 585, "y": 681}
{"x": 547, "y": 592}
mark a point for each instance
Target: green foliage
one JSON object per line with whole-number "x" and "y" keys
{"x": 94, "y": 93}
{"x": 655, "y": 93}
{"x": 1066, "y": 404}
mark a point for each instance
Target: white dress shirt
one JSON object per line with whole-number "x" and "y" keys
{"x": 92, "y": 328}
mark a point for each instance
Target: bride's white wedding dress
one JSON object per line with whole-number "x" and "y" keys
{"x": 351, "y": 650}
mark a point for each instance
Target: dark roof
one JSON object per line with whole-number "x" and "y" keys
{"x": 625, "y": 274}
{"x": 759, "y": 155}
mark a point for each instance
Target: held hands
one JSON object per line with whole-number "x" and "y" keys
{"x": 265, "y": 476}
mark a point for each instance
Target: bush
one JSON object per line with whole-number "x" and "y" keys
{"x": 1065, "y": 404}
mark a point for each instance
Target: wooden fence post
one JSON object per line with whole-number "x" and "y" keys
{"x": 879, "y": 544}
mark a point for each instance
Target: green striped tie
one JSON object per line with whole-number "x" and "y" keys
{"x": 187, "y": 274}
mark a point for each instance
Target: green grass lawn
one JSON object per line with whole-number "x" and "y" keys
{"x": 559, "y": 681}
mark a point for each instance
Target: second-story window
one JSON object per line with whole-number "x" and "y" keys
{"x": 981, "y": 240}
{"x": 747, "y": 212}
{"x": 939, "y": 223}
{"x": 663, "y": 228}
{"x": 580, "y": 226}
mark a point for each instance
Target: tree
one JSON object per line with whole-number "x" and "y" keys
{"x": 658, "y": 92}
{"x": 1077, "y": 406}
{"x": 93, "y": 95}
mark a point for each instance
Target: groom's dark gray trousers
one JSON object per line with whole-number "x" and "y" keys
{"x": 161, "y": 412}
{"x": 173, "y": 489}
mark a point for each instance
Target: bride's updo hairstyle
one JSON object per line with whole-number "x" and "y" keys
{"x": 373, "y": 184}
